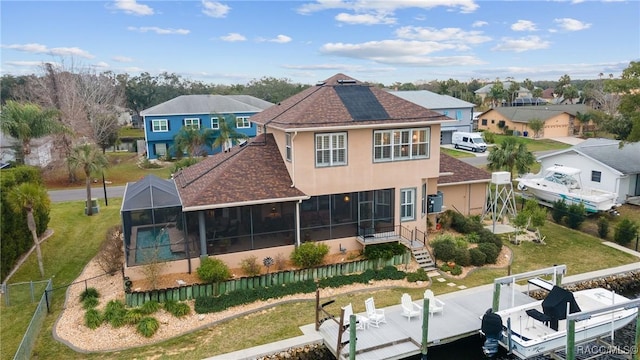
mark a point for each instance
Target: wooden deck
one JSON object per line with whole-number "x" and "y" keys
{"x": 400, "y": 338}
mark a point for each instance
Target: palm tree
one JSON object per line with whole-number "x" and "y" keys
{"x": 28, "y": 196}
{"x": 227, "y": 134}
{"x": 509, "y": 155}
{"x": 91, "y": 160}
{"x": 583, "y": 119}
{"x": 496, "y": 94}
{"x": 29, "y": 121}
{"x": 193, "y": 141}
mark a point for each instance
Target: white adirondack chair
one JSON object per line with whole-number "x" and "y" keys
{"x": 409, "y": 308}
{"x": 361, "y": 321}
{"x": 435, "y": 305}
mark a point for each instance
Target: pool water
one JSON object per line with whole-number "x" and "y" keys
{"x": 154, "y": 242}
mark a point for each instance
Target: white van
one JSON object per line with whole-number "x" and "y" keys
{"x": 469, "y": 141}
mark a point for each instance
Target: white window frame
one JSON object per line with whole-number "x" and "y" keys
{"x": 401, "y": 144}
{"x": 242, "y": 122}
{"x": 215, "y": 123}
{"x": 159, "y": 125}
{"x": 407, "y": 204}
{"x": 193, "y": 123}
{"x": 424, "y": 199}
{"x": 333, "y": 146}
{"x": 288, "y": 149}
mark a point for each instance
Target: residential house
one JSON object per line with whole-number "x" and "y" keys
{"x": 484, "y": 91}
{"x": 606, "y": 165}
{"x": 342, "y": 163}
{"x": 41, "y": 150}
{"x": 163, "y": 121}
{"x": 463, "y": 186}
{"x": 559, "y": 120}
{"x": 446, "y": 105}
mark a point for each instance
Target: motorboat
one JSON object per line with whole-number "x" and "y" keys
{"x": 559, "y": 182}
{"x": 540, "y": 327}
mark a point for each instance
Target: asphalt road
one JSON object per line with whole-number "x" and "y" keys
{"x": 81, "y": 194}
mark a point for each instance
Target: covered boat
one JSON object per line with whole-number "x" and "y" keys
{"x": 541, "y": 327}
{"x": 563, "y": 183}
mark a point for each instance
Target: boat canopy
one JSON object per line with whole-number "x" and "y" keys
{"x": 563, "y": 170}
{"x": 555, "y": 305}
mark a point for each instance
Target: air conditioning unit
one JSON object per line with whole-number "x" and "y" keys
{"x": 501, "y": 177}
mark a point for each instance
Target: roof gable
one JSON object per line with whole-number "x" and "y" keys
{"x": 342, "y": 101}
{"x": 460, "y": 171}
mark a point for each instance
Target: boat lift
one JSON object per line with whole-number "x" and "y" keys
{"x": 557, "y": 271}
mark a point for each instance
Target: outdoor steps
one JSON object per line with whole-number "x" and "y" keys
{"x": 423, "y": 258}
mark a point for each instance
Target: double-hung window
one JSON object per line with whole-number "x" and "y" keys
{"x": 193, "y": 123}
{"x": 242, "y": 122}
{"x": 401, "y": 144}
{"x": 215, "y": 123}
{"x": 407, "y": 204}
{"x": 160, "y": 125}
{"x": 288, "y": 146}
{"x": 331, "y": 149}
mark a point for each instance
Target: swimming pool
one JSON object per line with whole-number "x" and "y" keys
{"x": 152, "y": 242}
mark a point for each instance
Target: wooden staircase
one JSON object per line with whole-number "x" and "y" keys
{"x": 424, "y": 259}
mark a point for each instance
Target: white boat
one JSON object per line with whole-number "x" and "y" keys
{"x": 563, "y": 183}
{"x": 541, "y": 327}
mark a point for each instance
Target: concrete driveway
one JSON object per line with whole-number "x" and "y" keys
{"x": 571, "y": 140}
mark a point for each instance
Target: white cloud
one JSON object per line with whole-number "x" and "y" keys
{"x": 158, "y": 30}
{"x": 365, "y": 19}
{"x": 569, "y": 24}
{"x": 363, "y": 6}
{"x": 101, "y": 64}
{"x": 448, "y": 35}
{"x": 233, "y": 37}
{"x": 123, "y": 59}
{"x": 24, "y": 63}
{"x": 132, "y": 7}
{"x": 479, "y": 23}
{"x": 42, "y": 49}
{"x": 521, "y": 45}
{"x": 523, "y": 25}
{"x": 215, "y": 9}
{"x": 282, "y": 39}
{"x": 400, "y": 52}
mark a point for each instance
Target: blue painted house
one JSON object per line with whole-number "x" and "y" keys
{"x": 163, "y": 121}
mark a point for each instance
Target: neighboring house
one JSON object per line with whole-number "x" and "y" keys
{"x": 342, "y": 163}
{"x": 484, "y": 91}
{"x": 460, "y": 110}
{"x": 464, "y": 187}
{"x": 163, "y": 121}
{"x": 605, "y": 165}
{"x": 41, "y": 150}
{"x": 559, "y": 120}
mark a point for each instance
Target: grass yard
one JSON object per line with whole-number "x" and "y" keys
{"x": 457, "y": 153}
{"x": 77, "y": 239}
{"x": 535, "y": 144}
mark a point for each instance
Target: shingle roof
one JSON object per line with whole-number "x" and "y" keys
{"x": 253, "y": 173}
{"x": 524, "y": 114}
{"x": 609, "y": 152}
{"x": 461, "y": 172}
{"x": 431, "y": 100}
{"x": 322, "y": 106}
{"x": 208, "y": 104}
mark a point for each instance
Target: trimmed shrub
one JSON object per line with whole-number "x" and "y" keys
{"x": 461, "y": 256}
{"x": 148, "y": 326}
{"x": 559, "y": 211}
{"x": 625, "y": 231}
{"x": 114, "y": 313}
{"x": 419, "y": 275}
{"x": 444, "y": 248}
{"x": 603, "y": 227}
{"x": 90, "y": 302}
{"x": 93, "y": 319}
{"x": 213, "y": 270}
{"x": 457, "y": 270}
{"x": 576, "y": 215}
{"x": 478, "y": 258}
{"x": 250, "y": 266}
{"x": 486, "y": 236}
{"x": 177, "y": 309}
{"x": 472, "y": 238}
{"x": 491, "y": 251}
{"x": 309, "y": 254}
{"x": 384, "y": 251}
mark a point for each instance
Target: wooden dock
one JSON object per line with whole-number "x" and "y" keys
{"x": 400, "y": 338}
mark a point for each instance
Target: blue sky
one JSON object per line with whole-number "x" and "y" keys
{"x": 233, "y": 42}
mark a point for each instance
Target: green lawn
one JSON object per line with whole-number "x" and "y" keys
{"x": 534, "y": 145}
{"x": 77, "y": 239}
{"x": 456, "y": 153}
